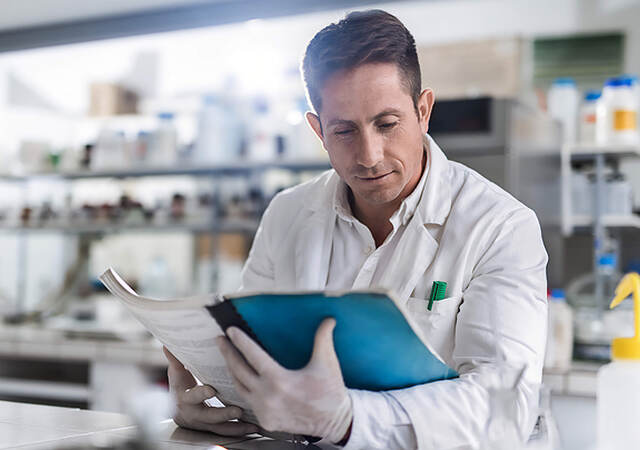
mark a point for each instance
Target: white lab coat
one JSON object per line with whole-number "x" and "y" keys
{"x": 466, "y": 231}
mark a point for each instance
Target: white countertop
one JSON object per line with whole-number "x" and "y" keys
{"x": 37, "y": 427}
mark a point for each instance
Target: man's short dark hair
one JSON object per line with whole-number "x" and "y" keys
{"x": 362, "y": 37}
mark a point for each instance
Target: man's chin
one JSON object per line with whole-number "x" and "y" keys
{"x": 378, "y": 198}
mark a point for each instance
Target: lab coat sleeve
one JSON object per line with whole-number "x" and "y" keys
{"x": 507, "y": 293}
{"x": 258, "y": 271}
{"x": 379, "y": 422}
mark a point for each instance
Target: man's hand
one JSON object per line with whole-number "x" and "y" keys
{"x": 312, "y": 401}
{"x": 192, "y": 412}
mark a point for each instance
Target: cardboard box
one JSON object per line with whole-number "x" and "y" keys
{"x": 112, "y": 99}
{"x": 493, "y": 67}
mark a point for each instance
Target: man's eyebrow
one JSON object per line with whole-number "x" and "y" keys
{"x": 340, "y": 122}
{"x": 386, "y": 112}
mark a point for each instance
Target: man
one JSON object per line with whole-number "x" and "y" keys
{"x": 394, "y": 213}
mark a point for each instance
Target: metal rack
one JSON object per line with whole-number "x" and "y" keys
{"x": 599, "y": 155}
{"x": 253, "y": 171}
{"x": 599, "y": 221}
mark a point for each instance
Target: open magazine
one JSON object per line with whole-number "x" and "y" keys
{"x": 378, "y": 345}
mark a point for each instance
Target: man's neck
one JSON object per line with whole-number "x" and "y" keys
{"x": 376, "y": 218}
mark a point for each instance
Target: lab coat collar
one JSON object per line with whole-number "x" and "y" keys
{"x": 435, "y": 203}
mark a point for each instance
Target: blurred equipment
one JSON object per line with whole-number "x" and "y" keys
{"x": 595, "y": 325}
{"x": 109, "y": 99}
{"x": 619, "y": 381}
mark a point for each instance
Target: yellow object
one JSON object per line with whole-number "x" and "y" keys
{"x": 628, "y": 347}
{"x": 624, "y": 119}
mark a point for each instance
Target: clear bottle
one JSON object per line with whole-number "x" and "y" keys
{"x": 618, "y": 394}
{"x": 562, "y": 102}
{"x": 581, "y": 291}
{"x": 592, "y": 324}
{"x": 588, "y": 117}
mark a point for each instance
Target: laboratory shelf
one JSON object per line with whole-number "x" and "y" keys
{"x": 235, "y": 168}
{"x": 226, "y": 226}
{"x": 586, "y": 152}
{"x": 612, "y": 221}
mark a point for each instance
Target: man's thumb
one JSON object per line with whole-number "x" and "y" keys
{"x": 323, "y": 349}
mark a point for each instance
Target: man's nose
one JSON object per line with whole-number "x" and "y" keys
{"x": 370, "y": 151}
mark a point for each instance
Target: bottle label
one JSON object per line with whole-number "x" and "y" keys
{"x": 624, "y": 120}
{"x": 590, "y": 118}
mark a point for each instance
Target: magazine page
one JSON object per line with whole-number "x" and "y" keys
{"x": 186, "y": 328}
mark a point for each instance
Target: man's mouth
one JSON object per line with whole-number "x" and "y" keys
{"x": 379, "y": 177}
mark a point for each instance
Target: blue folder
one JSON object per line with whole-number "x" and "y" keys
{"x": 376, "y": 346}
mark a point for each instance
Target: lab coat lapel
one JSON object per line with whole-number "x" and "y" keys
{"x": 417, "y": 248}
{"x": 313, "y": 243}
{"x": 410, "y": 260}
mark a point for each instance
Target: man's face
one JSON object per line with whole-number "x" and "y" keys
{"x": 372, "y": 132}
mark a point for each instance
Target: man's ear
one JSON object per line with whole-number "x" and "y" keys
{"x": 314, "y": 122}
{"x": 425, "y": 106}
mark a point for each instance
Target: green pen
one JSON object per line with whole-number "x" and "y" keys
{"x": 438, "y": 290}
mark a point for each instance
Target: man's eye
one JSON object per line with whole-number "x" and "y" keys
{"x": 388, "y": 125}
{"x": 343, "y": 132}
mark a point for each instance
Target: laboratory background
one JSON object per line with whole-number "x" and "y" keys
{"x": 149, "y": 136}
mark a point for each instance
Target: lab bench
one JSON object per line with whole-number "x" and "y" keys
{"x": 44, "y": 365}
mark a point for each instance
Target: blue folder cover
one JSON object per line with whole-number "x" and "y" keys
{"x": 376, "y": 346}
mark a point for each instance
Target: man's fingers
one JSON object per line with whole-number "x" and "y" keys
{"x": 259, "y": 360}
{"x": 323, "y": 349}
{"x": 180, "y": 379}
{"x": 173, "y": 361}
{"x": 196, "y": 395}
{"x": 215, "y": 415}
{"x": 236, "y": 363}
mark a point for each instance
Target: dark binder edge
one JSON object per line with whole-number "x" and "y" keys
{"x": 226, "y": 314}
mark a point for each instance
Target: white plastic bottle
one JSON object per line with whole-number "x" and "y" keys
{"x": 617, "y": 113}
{"x": 560, "y": 332}
{"x": 562, "y": 102}
{"x": 220, "y": 131}
{"x": 588, "y": 117}
{"x": 619, "y": 382}
{"x": 165, "y": 141}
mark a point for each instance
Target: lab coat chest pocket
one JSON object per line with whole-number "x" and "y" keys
{"x": 438, "y": 325}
